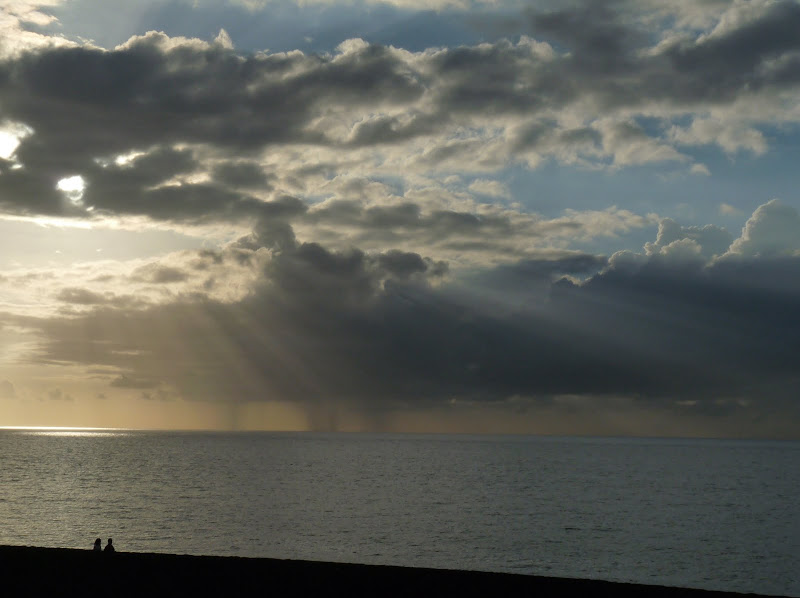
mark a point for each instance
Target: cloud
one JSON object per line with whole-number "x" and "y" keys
{"x": 16, "y": 20}
{"x": 451, "y": 225}
{"x": 728, "y": 210}
{"x": 382, "y": 331}
{"x": 730, "y": 136}
{"x": 134, "y": 101}
{"x": 709, "y": 240}
{"x": 242, "y": 174}
{"x": 773, "y": 229}
{"x": 490, "y": 188}
{"x": 216, "y": 134}
{"x": 81, "y": 297}
{"x": 158, "y": 274}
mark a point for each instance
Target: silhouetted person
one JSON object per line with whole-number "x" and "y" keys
{"x": 98, "y": 545}
{"x": 109, "y": 547}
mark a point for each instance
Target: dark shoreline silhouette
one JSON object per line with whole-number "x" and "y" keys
{"x": 35, "y": 571}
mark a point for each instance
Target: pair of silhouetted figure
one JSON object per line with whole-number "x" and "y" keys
{"x": 97, "y": 546}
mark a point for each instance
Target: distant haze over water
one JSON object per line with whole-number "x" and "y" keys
{"x": 697, "y": 513}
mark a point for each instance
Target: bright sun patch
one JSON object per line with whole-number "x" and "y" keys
{"x": 72, "y": 187}
{"x": 8, "y": 144}
{"x": 11, "y": 135}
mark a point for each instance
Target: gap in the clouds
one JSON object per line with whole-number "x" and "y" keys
{"x": 395, "y": 183}
{"x": 554, "y": 187}
{"x": 736, "y": 186}
{"x": 652, "y": 126}
{"x": 742, "y": 180}
{"x": 278, "y": 26}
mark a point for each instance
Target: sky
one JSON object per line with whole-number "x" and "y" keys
{"x": 456, "y": 216}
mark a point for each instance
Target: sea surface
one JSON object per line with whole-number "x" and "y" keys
{"x": 694, "y": 513}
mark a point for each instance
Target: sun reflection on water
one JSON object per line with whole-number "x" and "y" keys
{"x": 67, "y": 431}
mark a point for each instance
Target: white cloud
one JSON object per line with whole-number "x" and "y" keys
{"x": 728, "y": 210}
{"x": 708, "y": 240}
{"x": 73, "y": 187}
{"x": 629, "y": 145}
{"x": 626, "y": 261}
{"x": 11, "y": 134}
{"x": 490, "y": 188}
{"x": 224, "y": 40}
{"x": 14, "y": 38}
{"x": 352, "y": 45}
{"x": 773, "y": 229}
{"x": 730, "y": 135}
{"x": 683, "y": 250}
{"x": 611, "y": 222}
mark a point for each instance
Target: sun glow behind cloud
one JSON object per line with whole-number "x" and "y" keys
{"x": 72, "y": 187}
{"x": 11, "y": 134}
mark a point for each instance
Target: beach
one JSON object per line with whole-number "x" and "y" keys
{"x": 38, "y": 571}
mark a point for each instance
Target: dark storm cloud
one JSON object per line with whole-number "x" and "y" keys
{"x": 373, "y": 329}
{"x": 273, "y": 230}
{"x": 403, "y": 265}
{"x": 84, "y": 104}
{"x": 137, "y": 187}
{"x": 744, "y": 48}
{"x": 600, "y": 41}
{"x": 693, "y": 331}
{"x": 605, "y": 54}
{"x": 141, "y": 186}
{"x": 156, "y": 166}
{"x": 498, "y": 78}
{"x": 242, "y": 174}
{"x": 28, "y": 192}
{"x": 606, "y": 47}
{"x": 284, "y": 338}
{"x": 147, "y": 93}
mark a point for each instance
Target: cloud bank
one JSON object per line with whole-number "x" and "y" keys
{"x": 672, "y": 329}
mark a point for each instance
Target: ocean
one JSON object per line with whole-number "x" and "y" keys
{"x": 710, "y": 514}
